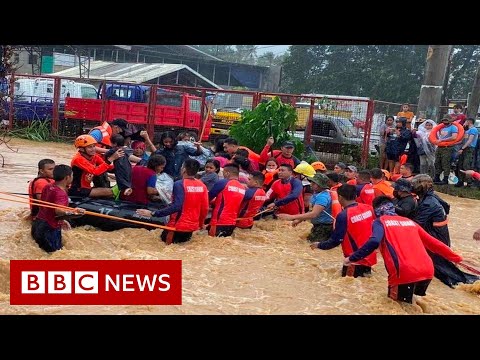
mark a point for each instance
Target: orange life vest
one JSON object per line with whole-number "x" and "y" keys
{"x": 106, "y": 131}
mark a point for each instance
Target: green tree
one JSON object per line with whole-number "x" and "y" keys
{"x": 272, "y": 118}
{"x": 269, "y": 59}
{"x": 387, "y": 72}
{"x": 463, "y": 65}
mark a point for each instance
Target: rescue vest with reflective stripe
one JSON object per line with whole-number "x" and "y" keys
{"x": 367, "y": 194}
{"x": 405, "y": 257}
{"x": 106, "y": 131}
{"x": 359, "y": 229}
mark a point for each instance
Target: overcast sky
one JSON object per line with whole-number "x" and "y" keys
{"x": 276, "y": 49}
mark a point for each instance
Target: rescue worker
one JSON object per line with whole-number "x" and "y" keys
{"x": 228, "y": 194}
{"x": 353, "y": 227}
{"x": 304, "y": 171}
{"x": 283, "y": 156}
{"x": 409, "y": 267}
{"x": 189, "y": 207}
{"x": 286, "y": 192}
{"x": 104, "y": 132}
{"x": 365, "y": 192}
{"x": 253, "y": 200}
{"x": 86, "y": 164}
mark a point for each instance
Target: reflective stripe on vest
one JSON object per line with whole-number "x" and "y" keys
{"x": 106, "y": 131}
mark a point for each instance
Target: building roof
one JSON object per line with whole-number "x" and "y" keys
{"x": 134, "y": 72}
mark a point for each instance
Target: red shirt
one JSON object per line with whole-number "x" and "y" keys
{"x": 53, "y": 194}
{"x": 141, "y": 176}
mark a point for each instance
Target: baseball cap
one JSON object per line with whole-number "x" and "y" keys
{"x": 352, "y": 168}
{"x": 341, "y": 165}
{"x": 121, "y": 123}
{"x": 288, "y": 144}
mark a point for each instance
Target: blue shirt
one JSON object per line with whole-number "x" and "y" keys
{"x": 473, "y": 131}
{"x": 323, "y": 199}
{"x": 446, "y": 132}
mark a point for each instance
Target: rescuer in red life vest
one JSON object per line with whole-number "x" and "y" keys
{"x": 403, "y": 244}
{"x": 228, "y": 194}
{"x": 189, "y": 207}
{"x": 252, "y": 202}
{"x": 353, "y": 228}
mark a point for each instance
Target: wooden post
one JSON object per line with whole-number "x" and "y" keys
{"x": 431, "y": 90}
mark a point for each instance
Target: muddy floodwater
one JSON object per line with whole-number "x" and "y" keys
{"x": 267, "y": 270}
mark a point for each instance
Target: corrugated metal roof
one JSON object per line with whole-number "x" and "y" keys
{"x": 131, "y": 72}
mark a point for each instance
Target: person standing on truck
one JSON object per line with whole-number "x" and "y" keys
{"x": 283, "y": 156}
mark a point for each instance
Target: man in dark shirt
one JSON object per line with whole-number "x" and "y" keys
{"x": 405, "y": 203}
{"x": 122, "y": 168}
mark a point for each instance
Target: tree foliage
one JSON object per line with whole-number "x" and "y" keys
{"x": 245, "y": 54}
{"x": 386, "y": 72}
{"x": 272, "y": 118}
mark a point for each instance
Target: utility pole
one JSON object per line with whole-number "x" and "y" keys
{"x": 431, "y": 90}
{"x": 474, "y": 100}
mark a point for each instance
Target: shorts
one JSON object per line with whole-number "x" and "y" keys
{"x": 405, "y": 292}
{"x": 320, "y": 232}
{"x": 356, "y": 270}
{"x": 81, "y": 193}
{"x": 48, "y": 238}
{"x": 221, "y": 230}
{"x": 175, "y": 236}
{"x": 393, "y": 157}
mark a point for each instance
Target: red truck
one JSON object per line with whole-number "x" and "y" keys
{"x": 158, "y": 110}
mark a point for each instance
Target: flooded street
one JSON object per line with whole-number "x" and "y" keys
{"x": 267, "y": 270}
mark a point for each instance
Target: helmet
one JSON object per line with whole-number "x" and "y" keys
{"x": 305, "y": 168}
{"x": 84, "y": 140}
{"x": 318, "y": 165}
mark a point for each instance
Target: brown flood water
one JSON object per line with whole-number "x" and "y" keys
{"x": 267, "y": 270}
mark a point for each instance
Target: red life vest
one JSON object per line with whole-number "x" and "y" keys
{"x": 250, "y": 207}
{"x": 195, "y": 206}
{"x": 404, "y": 254}
{"x": 359, "y": 229}
{"x": 106, "y": 131}
{"x": 281, "y": 191}
{"x": 367, "y": 194}
{"x": 336, "y": 207}
{"x": 39, "y": 181}
{"x": 227, "y": 204}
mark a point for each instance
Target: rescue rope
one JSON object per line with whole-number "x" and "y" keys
{"x": 62, "y": 207}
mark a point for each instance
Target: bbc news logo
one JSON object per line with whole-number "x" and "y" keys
{"x": 95, "y": 282}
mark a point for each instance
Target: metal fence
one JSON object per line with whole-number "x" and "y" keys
{"x": 334, "y": 128}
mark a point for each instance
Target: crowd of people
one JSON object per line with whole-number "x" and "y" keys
{"x": 228, "y": 186}
{"x": 446, "y": 153}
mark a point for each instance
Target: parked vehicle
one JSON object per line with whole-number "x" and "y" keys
{"x": 337, "y": 135}
{"x": 171, "y": 110}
